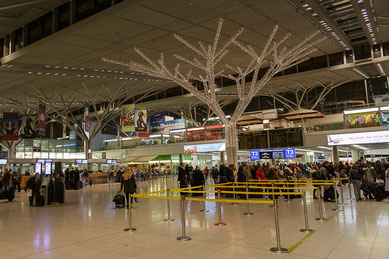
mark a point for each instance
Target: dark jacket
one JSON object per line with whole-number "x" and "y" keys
{"x": 198, "y": 178}
{"x": 6, "y": 177}
{"x": 33, "y": 184}
{"x": 182, "y": 176}
{"x": 129, "y": 185}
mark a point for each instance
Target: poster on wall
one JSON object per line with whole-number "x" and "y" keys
{"x": 128, "y": 118}
{"x": 86, "y": 122}
{"x": 361, "y": 120}
{"x": 64, "y": 131}
{"x": 163, "y": 124}
{"x": 10, "y": 125}
{"x": 42, "y": 120}
{"x": 28, "y": 127}
{"x": 141, "y": 120}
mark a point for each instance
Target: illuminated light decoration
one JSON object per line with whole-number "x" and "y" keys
{"x": 381, "y": 69}
{"x": 274, "y": 52}
{"x": 361, "y": 110}
{"x": 361, "y": 73}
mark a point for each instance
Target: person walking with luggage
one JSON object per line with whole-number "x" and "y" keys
{"x": 6, "y": 177}
{"x": 128, "y": 185}
{"x": 16, "y": 179}
{"x": 33, "y": 185}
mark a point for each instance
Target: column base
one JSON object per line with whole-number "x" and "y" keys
{"x": 307, "y": 231}
{"x": 321, "y": 219}
{"x": 169, "y": 219}
{"x": 129, "y": 229}
{"x": 220, "y": 224}
{"x": 184, "y": 238}
{"x": 280, "y": 250}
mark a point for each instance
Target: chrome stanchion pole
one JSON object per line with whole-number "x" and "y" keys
{"x": 336, "y": 199}
{"x": 204, "y": 209}
{"x": 306, "y": 230}
{"x": 341, "y": 193}
{"x": 278, "y": 249}
{"x": 168, "y": 207}
{"x": 219, "y": 206}
{"x": 349, "y": 189}
{"x": 183, "y": 236}
{"x": 248, "y": 213}
{"x": 234, "y": 194}
{"x": 321, "y": 218}
{"x": 287, "y": 185}
{"x": 272, "y": 185}
{"x": 130, "y": 228}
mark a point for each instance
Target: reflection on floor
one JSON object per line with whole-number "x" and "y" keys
{"x": 89, "y": 226}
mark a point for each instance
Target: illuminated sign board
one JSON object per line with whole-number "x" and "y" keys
{"x": 287, "y": 153}
{"x": 214, "y": 147}
{"x": 3, "y": 161}
{"x": 370, "y": 137}
{"x": 111, "y": 161}
{"x": 81, "y": 161}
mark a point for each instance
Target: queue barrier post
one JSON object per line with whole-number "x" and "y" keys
{"x": 219, "y": 206}
{"x": 234, "y": 194}
{"x": 183, "y": 236}
{"x": 272, "y": 185}
{"x": 130, "y": 227}
{"x": 278, "y": 249}
{"x": 306, "y": 229}
{"x": 336, "y": 199}
{"x": 168, "y": 206}
{"x": 287, "y": 185}
{"x": 248, "y": 213}
{"x": 341, "y": 194}
{"x": 321, "y": 217}
{"x": 349, "y": 189}
{"x": 204, "y": 209}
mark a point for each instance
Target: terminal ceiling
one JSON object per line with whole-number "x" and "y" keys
{"x": 72, "y": 56}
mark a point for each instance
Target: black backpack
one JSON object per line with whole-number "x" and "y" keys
{"x": 354, "y": 174}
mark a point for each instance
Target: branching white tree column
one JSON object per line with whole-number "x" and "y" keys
{"x": 276, "y": 57}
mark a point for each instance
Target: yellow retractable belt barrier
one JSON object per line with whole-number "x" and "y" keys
{"x": 199, "y": 191}
{"x": 306, "y": 183}
{"x": 265, "y": 193}
{"x": 223, "y": 200}
{"x": 283, "y": 188}
{"x": 147, "y": 193}
{"x": 156, "y": 197}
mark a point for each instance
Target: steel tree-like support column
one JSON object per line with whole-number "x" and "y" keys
{"x": 274, "y": 53}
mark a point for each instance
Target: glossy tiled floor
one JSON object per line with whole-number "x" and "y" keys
{"x": 88, "y": 226}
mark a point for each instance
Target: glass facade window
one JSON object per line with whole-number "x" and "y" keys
{"x": 336, "y": 59}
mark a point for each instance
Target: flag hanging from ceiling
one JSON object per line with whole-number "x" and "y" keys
{"x": 10, "y": 125}
{"x": 42, "y": 120}
{"x": 128, "y": 117}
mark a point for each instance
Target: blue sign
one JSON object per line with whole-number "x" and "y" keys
{"x": 290, "y": 153}
{"x": 254, "y": 155}
{"x": 287, "y": 153}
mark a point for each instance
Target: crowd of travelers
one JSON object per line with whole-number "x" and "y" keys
{"x": 372, "y": 178}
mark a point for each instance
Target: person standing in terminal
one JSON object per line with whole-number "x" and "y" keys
{"x": 182, "y": 176}
{"x": 16, "y": 179}
{"x": 129, "y": 185}
{"x": 6, "y": 177}
{"x": 247, "y": 171}
{"x": 206, "y": 172}
{"x": 356, "y": 177}
{"x": 33, "y": 184}
{"x": 215, "y": 174}
{"x": 198, "y": 180}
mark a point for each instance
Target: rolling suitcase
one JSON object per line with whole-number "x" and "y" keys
{"x": 119, "y": 201}
{"x": 40, "y": 200}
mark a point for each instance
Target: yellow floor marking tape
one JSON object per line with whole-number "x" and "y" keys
{"x": 292, "y": 248}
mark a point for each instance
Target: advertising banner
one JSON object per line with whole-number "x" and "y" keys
{"x": 163, "y": 124}
{"x": 86, "y": 121}
{"x": 10, "y": 125}
{"x": 141, "y": 120}
{"x": 370, "y": 137}
{"x": 215, "y": 147}
{"x": 128, "y": 118}
{"x": 42, "y": 120}
{"x": 28, "y": 127}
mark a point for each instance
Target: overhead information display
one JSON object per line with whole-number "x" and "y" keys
{"x": 287, "y": 153}
{"x": 280, "y": 138}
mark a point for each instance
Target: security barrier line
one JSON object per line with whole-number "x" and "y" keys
{"x": 156, "y": 197}
{"x": 265, "y": 193}
{"x": 331, "y": 183}
{"x": 284, "y": 188}
{"x": 199, "y": 191}
{"x": 229, "y": 200}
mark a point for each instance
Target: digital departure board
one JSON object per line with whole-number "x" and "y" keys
{"x": 280, "y": 138}
{"x": 286, "y": 138}
{"x": 266, "y": 155}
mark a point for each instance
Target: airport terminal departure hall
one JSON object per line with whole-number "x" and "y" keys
{"x": 194, "y": 129}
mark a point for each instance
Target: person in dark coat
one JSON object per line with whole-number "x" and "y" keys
{"x": 129, "y": 185}
{"x": 33, "y": 184}
{"x": 198, "y": 180}
{"x": 182, "y": 176}
{"x": 6, "y": 177}
{"x": 16, "y": 180}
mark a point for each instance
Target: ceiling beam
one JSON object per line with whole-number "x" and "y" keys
{"x": 7, "y": 7}
{"x": 366, "y": 18}
{"x": 318, "y": 15}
